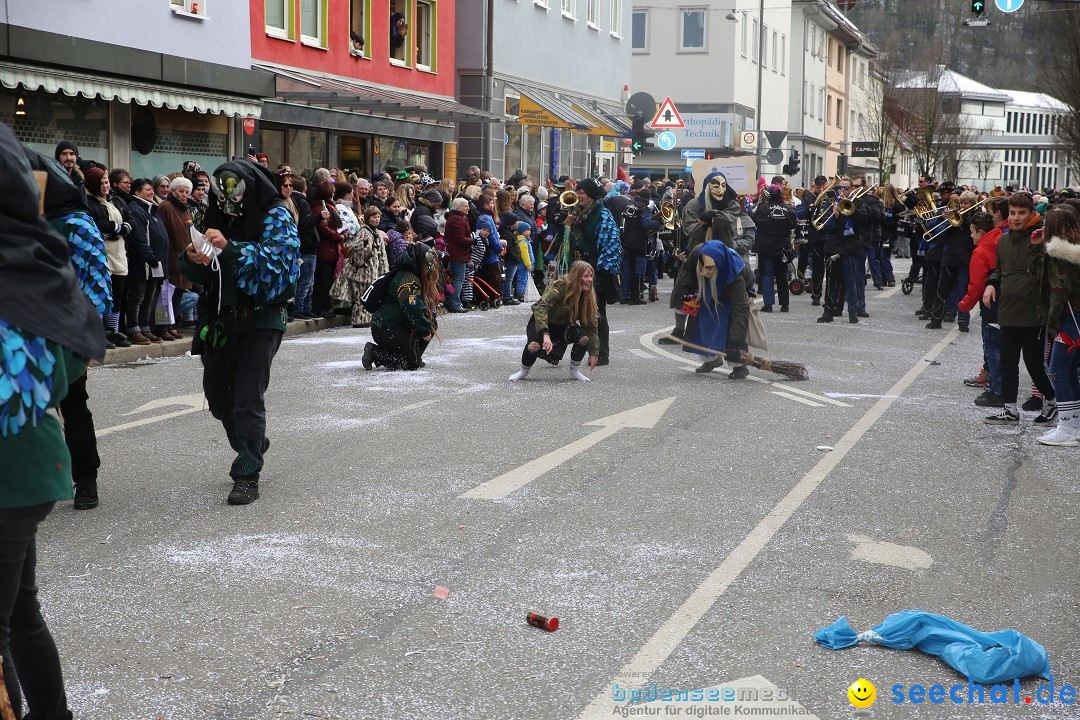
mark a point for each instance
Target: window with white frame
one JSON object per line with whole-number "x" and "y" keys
{"x": 765, "y": 45}
{"x": 359, "y": 27}
{"x": 592, "y": 12}
{"x": 775, "y": 35}
{"x": 821, "y": 102}
{"x": 196, "y": 8}
{"x": 425, "y": 33}
{"x": 568, "y": 8}
{"x": 813, "y": 99}
{"x": 755, "y": 39}
{"x": 807, "y": 93}
{"x": 639, "y": 31}
{"x": 279, "y": 18}
{"x": 692, "y": 29}
{"x": 783, "y": 54}
{"x": 616, "y": 18}
{"x": 745, "y": 30}
{"x": 401, "y": 32}
{"x": 312, "y": 15}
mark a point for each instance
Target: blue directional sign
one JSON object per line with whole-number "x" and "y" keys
{"x": 693, "y": 154}
{"x": 665, "y": 141}
{"x": 1008, "y": 5}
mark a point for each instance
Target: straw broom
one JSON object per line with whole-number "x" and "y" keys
{"x": 784, "y": 368}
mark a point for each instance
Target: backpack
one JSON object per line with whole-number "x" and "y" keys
{"x": 375, "y": 294}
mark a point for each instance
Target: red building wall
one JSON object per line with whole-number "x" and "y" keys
{"x": 337, "y": 60}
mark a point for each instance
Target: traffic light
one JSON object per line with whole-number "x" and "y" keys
{"x": 639, "y": 138}
{"x": 978, "y": 6}
{"x": 793, "y": 163}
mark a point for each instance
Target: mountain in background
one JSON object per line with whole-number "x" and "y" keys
{"x": 916, "y": 34}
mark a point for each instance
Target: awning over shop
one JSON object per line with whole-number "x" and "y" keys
{"x": 616, "y": 117}
{"x": 541, "y": 108}
{"x": 334, "y": 91}
{"x": 30, "y": 77}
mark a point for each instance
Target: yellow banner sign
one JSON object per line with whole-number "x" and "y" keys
{"x": 607, "y": 146}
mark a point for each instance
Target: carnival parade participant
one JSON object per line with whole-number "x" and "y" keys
{"x": 249, "y": 265}
{"x": 594, "y": 238}
{"x": 407, "y": 320}
{"x": 567, "y": 315}
{"x": 712, "y": 285}
{"x": 48, "y": 331}
{"x": 66, "y": 211}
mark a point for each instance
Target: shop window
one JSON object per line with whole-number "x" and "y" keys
{"x": 179, "y": 136}
{"x": 352, "y": 154}
{"x": 313, "y": 22}
{"x": 389, "y": 151}
{"x": 426, "y": 34}
{"x": 272, "y": 142}
{"x": 359, "y": 27}
{"x": 306, "y": 150}
{"x": 400, "y": 16}
{"x": 41, "y": 120}
{"x": 534, "y": 144}
{"x": 280, "y": 18}
{"x": 513, "y": 106}
{"x": 192, "y": 8}
{"x": 512, "y": 151}
{"x": 419, "y": 155}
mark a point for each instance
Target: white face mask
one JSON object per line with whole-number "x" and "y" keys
{"x": 717, "y": 188}
{"x": 707, "y": 267}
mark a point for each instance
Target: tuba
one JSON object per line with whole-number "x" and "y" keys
{"x": 568, "y": 199}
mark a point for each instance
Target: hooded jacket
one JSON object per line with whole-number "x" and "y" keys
{"x": 775, "y": 223}
{"x": 1063, "y": 278}
{"x": 983, "y": 261}
{"x": 1018, "y": 292}
{"x": 459, "y": 240}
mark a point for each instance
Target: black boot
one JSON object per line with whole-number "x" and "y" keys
{"x": 637, "y": 291}
{"x": 245, "y": 490}
{"x": 86, "y": 497}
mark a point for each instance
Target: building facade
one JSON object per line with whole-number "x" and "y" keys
{"x": 358, "y": 84}
{"x": 709, "y": 59}
{"x": 562, "y": 109}
{"x": 988, "y": 137}
{"x": 125, "y": 85}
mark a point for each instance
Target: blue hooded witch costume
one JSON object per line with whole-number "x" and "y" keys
{"x": 723, "y": 315}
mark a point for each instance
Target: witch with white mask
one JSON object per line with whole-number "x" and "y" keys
{"x": 713, "y": 214}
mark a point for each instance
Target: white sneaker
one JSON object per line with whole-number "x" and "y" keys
{"x": 1059, "y": 436}
{"x": 575, "y": 372}
{"x": 520, "y": 374}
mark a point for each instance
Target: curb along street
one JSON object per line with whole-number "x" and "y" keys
{"x": 120, "y": 356}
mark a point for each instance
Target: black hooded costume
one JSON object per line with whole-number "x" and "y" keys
{"x": 403, "y": 321}
{"x": 243, "y": 311}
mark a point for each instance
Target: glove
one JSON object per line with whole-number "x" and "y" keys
{"x": 117, "y": 229}
{"x": 707, "y": 216}
{"x": 125, "y": 228}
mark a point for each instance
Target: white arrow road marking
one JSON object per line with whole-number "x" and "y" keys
{"x": 753, "y": 695}
{"x": 663, "y": 642}
{"x": 644, "y": 417}
{"x": 194, "y": 404}
{"x": 887, "y": 553}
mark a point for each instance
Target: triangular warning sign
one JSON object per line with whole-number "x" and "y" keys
{"x": 667, "y": 116}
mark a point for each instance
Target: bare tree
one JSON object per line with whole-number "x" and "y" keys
{"x": 1062, "y": 80}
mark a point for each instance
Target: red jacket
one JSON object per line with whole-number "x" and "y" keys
{"x": 459, "y": 240}
{"x": 983, "y": 260}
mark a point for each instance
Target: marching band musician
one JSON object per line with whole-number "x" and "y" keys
{"x": 844, "y": 273}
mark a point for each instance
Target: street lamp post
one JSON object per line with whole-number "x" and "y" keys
{"x": 757, "y": 111}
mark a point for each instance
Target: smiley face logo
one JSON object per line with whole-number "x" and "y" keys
{"x": 862, "y": 693}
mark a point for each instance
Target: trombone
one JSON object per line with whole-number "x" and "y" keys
{"x": 953, "y": 218}
{"x": 821, "y": 216}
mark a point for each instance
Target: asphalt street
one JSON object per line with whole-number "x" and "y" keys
{"x": 695, "y": 543}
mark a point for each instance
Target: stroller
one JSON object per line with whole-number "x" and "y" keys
{"x": 797, "y": 283}
{"x": 489, "y": 297}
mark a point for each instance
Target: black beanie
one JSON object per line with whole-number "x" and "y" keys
{"x": 64, "y": 145}
{"x": 591, "y": 188}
